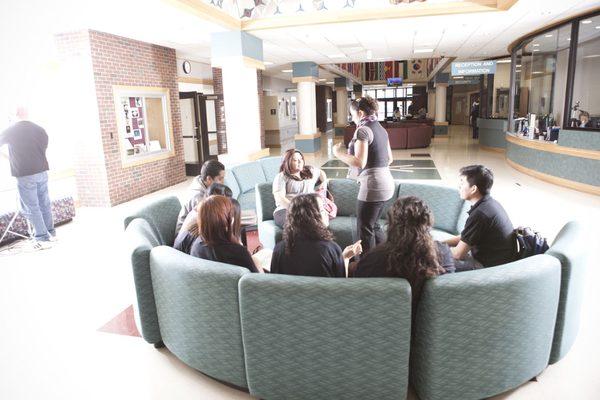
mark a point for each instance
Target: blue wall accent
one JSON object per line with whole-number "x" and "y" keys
{"x": 442, "y": 77}
{"x": 589, "y": 140}
{"x": 236, "y": 43}
{"x": 357, "y": 88}
{"x": 308, "y": 145}
{"x": 305, "y": 69}
{"x": 492, "y": 132}
{"x": 578, "y": 169}
{"x": 342, "y": 82}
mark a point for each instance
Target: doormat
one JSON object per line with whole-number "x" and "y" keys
{"x": 420, "y": 155}
{"x": 400, "y": 169}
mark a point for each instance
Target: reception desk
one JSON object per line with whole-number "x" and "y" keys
{"x": 492, "y": 133}
{"x": 572, "y": 167}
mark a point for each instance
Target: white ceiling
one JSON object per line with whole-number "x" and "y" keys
{"x": 465, "y": 36}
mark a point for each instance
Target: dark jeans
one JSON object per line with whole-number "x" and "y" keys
{"x": 469, "y": 263}
{"x": 367, "y": 223}
{"x": 279, "y": 217}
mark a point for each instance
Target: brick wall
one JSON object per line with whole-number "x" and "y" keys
{"x": 220, "y": 111}
{"x": 121, "y": 61}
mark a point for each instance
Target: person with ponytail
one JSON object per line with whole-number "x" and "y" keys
{"x": 409, "y": 251}
{"x": 369, "y": 156}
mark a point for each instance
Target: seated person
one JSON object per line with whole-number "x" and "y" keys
{"x": 307, "y": 247}
{"x": 397, "y": 114}
{"x": 409, "y": 251}
{"x": 584, "y": 120}
{"x": 488, "y": 232}
{"x": 294, "y": 178}
{"x": 189, "y": 230}
{"x": 212, "y": 171}
{"x": 219, "y": 228}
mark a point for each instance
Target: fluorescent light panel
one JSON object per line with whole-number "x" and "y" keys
{"x": 423, "y": 51}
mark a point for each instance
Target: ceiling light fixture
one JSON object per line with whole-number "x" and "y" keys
{"x": 586, "y": 21}
{"x": 537, "y": 72}
{"x": 458, "y": 77}
{"x": 268, "y": 63}
{"x": 286, "y": 70}
{"x": 505, "y": 61}
{"x": 568, "y": 39}
{"x": 322, "y": 80}
{"x": 423, "y": 51}
{"x": 329, "y": 83}
{"x": 536, "y": 44}
{"x": 535, "y": 50}
{"x": 518, "y": 65}
{"x": 369, "y": 54}
{"x": 337, "y": 56}
{"x": 598, "y": 27}
{"x": 548, "y": 35}
{"x": 592, "y": 56}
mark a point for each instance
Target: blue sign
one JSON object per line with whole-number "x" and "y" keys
{"x": 468, "y": 81}
{"x": 394, "y": 81}
{"x": 473, "y": 68}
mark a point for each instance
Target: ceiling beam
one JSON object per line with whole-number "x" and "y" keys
{"x": 444, "y": 62}
{"x": 354, "y": 15}
{"x": 334, "y": 69}
{"x": 207, "y": 12}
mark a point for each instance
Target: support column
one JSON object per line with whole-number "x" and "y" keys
{"x": 358, "y": 91}
{"x": 440, "y": 125}
{"x": 341, "y": 93}
{"x": 240, "y": 55}
{"x": 305, "y": 75}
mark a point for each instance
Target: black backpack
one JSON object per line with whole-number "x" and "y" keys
{"x": 529, "y": 242}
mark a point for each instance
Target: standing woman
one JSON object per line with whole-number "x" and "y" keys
{"x": 294, "y": 178}
{"x": 369, "y": 156}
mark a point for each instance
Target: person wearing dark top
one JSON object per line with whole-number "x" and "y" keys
{"x": 409, "y": 252}
{"x": 219, "y": 228}
{"x": 189, "y": 229}
{"x": 212, "y": 171}
{"x": 27, "y": 144}
{"x": 487, "y": 239}
{"x": 307, "y": 247}
{"x": 369, "y": 156}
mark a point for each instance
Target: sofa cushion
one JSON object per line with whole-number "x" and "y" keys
{"x": 444, "y": 202}
{"x": 248, "y": 175}
{"x": 344, "y": 230}
{"x": 232, "y": 184}
{"x": 198, "y": 312}
{"x": 270, "y": 166}
{"x": 345, "y": 193}
{"x": 265, "y": 202}
{"x": 325, "y": 338}
{"x": 247, "y": 200}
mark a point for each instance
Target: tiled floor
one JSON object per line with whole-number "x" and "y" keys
{"x": 53, "y": 302}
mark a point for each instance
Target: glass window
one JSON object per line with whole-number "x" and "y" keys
{"x": 409, "y": 91}
{"x": 390, "y": 93}
{"x": 540, "y": 77}
{"x": 143, "y": 121}
{"x": 381, "y": 110}
{"x": 585, "y": 110}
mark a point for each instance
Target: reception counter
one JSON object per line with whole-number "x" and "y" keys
{"x": 492, "y": 132}
{"x": 572, "y": 167}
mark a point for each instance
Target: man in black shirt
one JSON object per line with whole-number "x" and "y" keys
{"x": 487, "y": 239}
{"x": 27, "y": 143}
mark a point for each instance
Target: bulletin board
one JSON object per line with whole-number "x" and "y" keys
{"x": 135, "y": 127}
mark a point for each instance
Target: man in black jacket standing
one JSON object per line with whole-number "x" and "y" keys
{"x": 27, "y": 144}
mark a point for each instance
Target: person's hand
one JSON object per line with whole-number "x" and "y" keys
{"x": 352, "y": 250}
{"x": 337, "y": 148}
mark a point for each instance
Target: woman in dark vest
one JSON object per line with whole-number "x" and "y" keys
{"x": 369, "y": 156}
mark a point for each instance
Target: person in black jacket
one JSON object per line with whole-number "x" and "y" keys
{"x": 307, "y": 247}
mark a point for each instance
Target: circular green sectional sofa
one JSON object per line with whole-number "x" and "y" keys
{"x": 475, "y": 334}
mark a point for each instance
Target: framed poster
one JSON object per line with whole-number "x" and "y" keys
{"x": 137, "y": 134}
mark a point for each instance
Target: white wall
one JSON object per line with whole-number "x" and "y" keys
{"x": 276, "y": 87}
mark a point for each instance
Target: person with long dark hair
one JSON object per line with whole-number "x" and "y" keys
{"x": 219, "y": 228}
{"x": 294, "y": 178}
{"x": 409, "y": 251}
{"x": 369, "y": 156}
{"x": 307, "y": 247}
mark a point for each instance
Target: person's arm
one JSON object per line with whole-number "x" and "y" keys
{"x": 349, "y": 252}
{"x": 453, "y": 241}
{"x": 279, "y": 191}
{"x": 359, "y": 159}
{"x": 323, "y": 179}
{"x": 460, "y": 251}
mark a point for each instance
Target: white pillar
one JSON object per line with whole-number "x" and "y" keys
{"x": 307, "y": 108}
{"x": 341, "y": 94}
{"x": 440, "y": 103}
{"x": 431, "y": 104}
{"x": 242, "y": 110}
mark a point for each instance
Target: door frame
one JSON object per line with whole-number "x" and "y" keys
{"x": 193, "y": 169}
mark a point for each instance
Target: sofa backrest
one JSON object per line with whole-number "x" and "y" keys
{"x": 270, "y": 166}
{"x": 232, "y": 184}
{"x": 479, "y": 333}
{"x": 141, "y": 238}
{"x": 162, "y": 216}
{"x": 198, "y": 312}
{"x": 325, "y": 338}
{"x": 265, "y": 201}
{"x": 345, "y": 193}
{"x": 248, "y": 175}
{"x": 444, "y": 202}
{"x": 572, "y": 246}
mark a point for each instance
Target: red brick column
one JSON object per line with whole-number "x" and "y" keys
{"x": 220, "y": 111}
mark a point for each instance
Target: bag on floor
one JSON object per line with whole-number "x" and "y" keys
{"x": 529, "y": 242}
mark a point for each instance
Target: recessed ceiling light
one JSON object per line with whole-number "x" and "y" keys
{"x": 286, "y": 70}
{"x": 337, "y": 56}
{"x": 517, "y": 70}
{"x": 268, "y": 63}
{"x": 458, "y": 77}
{"x": 536, "y": 44}
{"x": 423, "y": 51}
{"x": 598, "y": 27}
{"x": 535, "y": 50}
{"x": 322, "y": 80}
{"x": 586, "y": 21}
{"x": 592, "y": 56}
{"x": 505, "y": 61}
{"x": 568, "y": 39}
{"x": 329, "y": 83}
{"x": 518, "y": 65}
{"x": 548, "y": 35}
{"x": 537, "y": 72}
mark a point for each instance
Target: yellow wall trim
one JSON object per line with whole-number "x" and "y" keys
{"x": 582, "y": 187}
{"x": 305, "y": 79}
{"x": 494, "y": 149}
{"x": 443, "y": 123}
{"x": 248, "y": 62}
{"x": 207, "y": 12}
{"x": 553, "y": 148}
{"x": 200, "y": 81}
{"x": 259, "y": 154}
